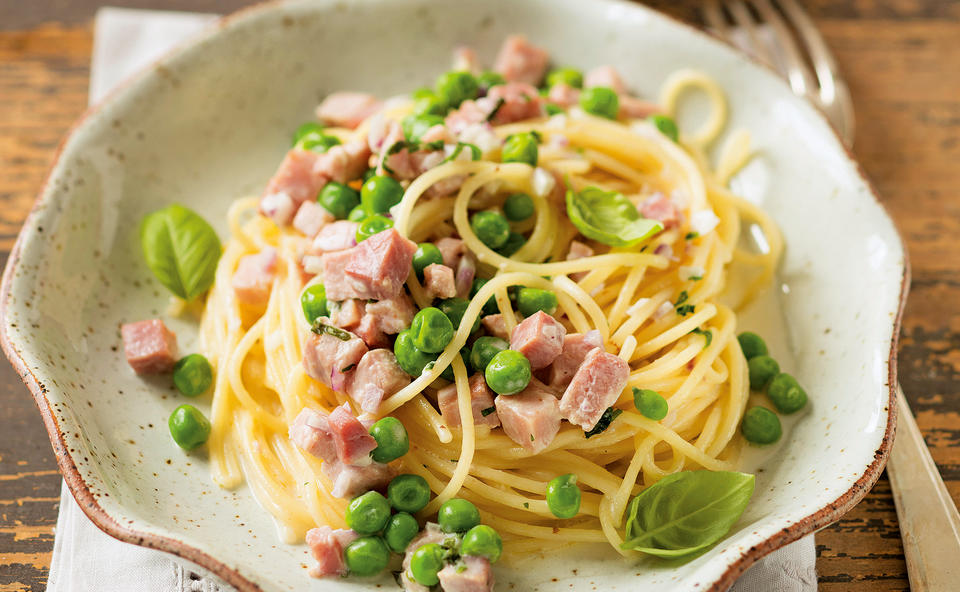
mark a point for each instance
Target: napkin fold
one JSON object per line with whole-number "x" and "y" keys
{"x": 87, "y": 560}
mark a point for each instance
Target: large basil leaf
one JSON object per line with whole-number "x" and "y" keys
{"x": 181, "y": 249}
{"x": 686, "y": 512}
{"x": 609, "y": 217}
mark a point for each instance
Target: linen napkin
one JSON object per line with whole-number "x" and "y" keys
{"x": 84, "y": 558}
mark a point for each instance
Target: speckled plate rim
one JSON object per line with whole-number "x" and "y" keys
{"x": 814, "y": 521}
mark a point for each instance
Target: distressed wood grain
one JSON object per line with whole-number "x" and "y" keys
{"x": 902, "y": 60}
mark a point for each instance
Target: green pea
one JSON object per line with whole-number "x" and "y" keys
{"x": 458, "y": 515}
{"x": 563, "y": 496}
{"x": 490, "y": 306}
{"x": 521, "y": 147}
{"x": 786, "y": 394}
{"x": 752, "y": 345}
{"x": 409, "y": 357}
{"x": 518, "y": 207}
{"x": 430, "y": 104}
{"x": 366, "y": 556}
{"x": 552, "y": 109}
{"x": 368, "y": 513}
{"x": 482, "y": 541}
{"x": 408, "y": 493}
{"x": 422, "y": 92}
{"x": 762, "y": 369}
{"x": 425, "y": 563}
{"x": 317, "y": 142}
{"x": 456, "y": 87}
{"x": 399, "y": 531}
{"x": 454, "y": 309}
{"x": 414, "y": 126}
{"x": 192, "y": 375}
{"x": 514, "y": 243}
{"x": 508, "y": 372}
{"x": 569, "y": 76}
{"x": 666, "y": 125}
{"x": 761, "y": 426}
{"x": 650, "y": 404}
{"x": 392, "y": 439}
{"x": 358, "y": 214}
{"x": 380, "y": 193}
{"x": 484, "y": 349}
{"x": 431, "y": 330}
{"x": 338, "y": 199}
{"x": 600, "y": 101}
{"x": 189, "y": 427}
{"x": 489, "y": 78}
{"x": 372, "y": 225}
{"x": 311, "y": 127}
{"x": 491, "y": 228}
{"x": 313, "y": 301}
{"x": 530, "y": 300}
{"x": 426, "y": 254}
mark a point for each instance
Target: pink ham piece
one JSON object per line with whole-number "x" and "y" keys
{"x": 495, "y": 325}
{"x": 296, "y": 178}
{"x": 352, "y": 440}
{"x": 371, "y": 333}
{"x": 149, "y": 346}
{"x": 518, "y": 101}
{"x": 518, "y": 61}
{"x": 660, "y": 207}
{"x": 377, "y": 376}
{"x": 310, "y": 431}
{"x": 347, "y": 109}
{"x": 540, "y": 338}
{"x": 634, "y": 108}
{"x": 335, "y": 236}
{"x": 481, "y": 398}
{"x": 451, "y": 249}
{"x": 279, "y": 207}
{"x": 327, "y": 358}
{"x": 595, "y": 387}
{"x": 350, "y": 481}
{"x": 605, "y": 76}
{"x": 347, "y": 314}
{"x": 576, "y": 346}
{"x": 253, "y": 278}
{"x": 326, "y": 548}
{"x": 468, "y": 114}
{"x": 531, "y": 418}
{"x": 380, "y": 265}
{"x": 438, "y": 281}
{"x": 310, "y": 218}
{"x": 563, "y": 94}
{"x": 477, "y": 577}
{"x": 392, "y": 315}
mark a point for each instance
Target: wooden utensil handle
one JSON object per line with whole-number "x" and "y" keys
{"x": 929, "y": 521}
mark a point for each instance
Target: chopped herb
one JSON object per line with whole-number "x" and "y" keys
{"x": 461, "y": 567}
{"x": 475, "y": 152}
{"x": 537, "y": 135}
{"x": 435, "y": 145}
{"x": 683, "y": 297}
{"x": 692, "y": 235}
{"x": 320, "y": 328}
{"x": 604, "y": 422}
{"x": 708, "y": 335}
{"x": 397, "y": 578}
{"x": 685, "y": 310}
{"x": 347, "y": 368}
{"x": 695, "y": 278}
{"x": 526, "y": 505}
{"x": 488, "y": 411}
{"x": 496, "y": 109}
{"x": 532, "y": 438}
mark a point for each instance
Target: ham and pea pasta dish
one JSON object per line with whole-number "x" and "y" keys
{"x": 479, "y": 321}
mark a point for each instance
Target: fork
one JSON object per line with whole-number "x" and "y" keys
{"x": 774, "y": 32}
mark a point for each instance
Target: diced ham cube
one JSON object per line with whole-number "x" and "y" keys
{"x": 431, "y": 533}
{"x": 659, "y": 207}
{"x": 392, "y": 315}
{"x": 468, "y": 114}
{"x": 345, "y": 536}
{"x": 296, "y": 178}
{"x": 347, "y": 109}
{"x": 377, "y": 376}
{"x": 371, "y": 333}
{"x": 381, "y": 263}
{"x": 253, "y": 279}
{"x": 327, "y": 550}
{"x": 540, "y": 338}
{"x": 576, "y": 346}
{"x": 481, "y": 399}
{"x": 531, "y": 418}
{"x": 518, "y": 61}
{"x": 279, "y": 207}
{"x": 578, "y": 250}
{"x": 402, "y": 163}
{"x": 310, "y": 218}
{"x": 605, "y": 76}
{"x": 347, "y": 314}
{"x": 519, "y": 101}
{"x": 354, "y": 443}
{"x": 149, "y": 346}
{"x": 451, "y": 249}
{"x": 495, "y": 325}
{"x": 351, "y": 480}
{"x": 338, "y": 285}
{"x": 563, "y": 94}
{"x": 310, "y": 431}
{"x": 477, "y": 577}
{"x": 383, "y": 133}
{"x": 357, "y": 155}
{"x": 327, "y": 358}
{"x": 438, "y": 281}
{"x": 634, "y": 108}
{"x": 437, "y": 133}
{"x": 595, "y": 387}
{"x": 335, "y": 236}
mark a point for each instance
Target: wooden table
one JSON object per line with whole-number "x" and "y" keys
{"x": 902, "y": 60}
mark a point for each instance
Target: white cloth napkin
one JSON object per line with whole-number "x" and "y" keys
{"x": 87, "y": 560}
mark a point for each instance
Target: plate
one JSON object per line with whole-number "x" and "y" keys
{"x": 210, "y": 122}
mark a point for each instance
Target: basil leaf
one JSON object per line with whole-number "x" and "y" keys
{"x": 686, "y": 512}
{"x": 181, "y": 249}
{"x": 609, "y": 218}
{"x": 475, "y": 152}
{"x": 604, "y": 422}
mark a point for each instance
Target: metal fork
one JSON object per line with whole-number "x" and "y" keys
{"x": 780, "y": 34}
{"x": 774, "y": 32}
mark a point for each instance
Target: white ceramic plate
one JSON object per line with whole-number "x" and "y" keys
{"x": 212, "y": 121}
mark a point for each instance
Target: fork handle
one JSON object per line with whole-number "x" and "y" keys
{"x": 929, "y": 521}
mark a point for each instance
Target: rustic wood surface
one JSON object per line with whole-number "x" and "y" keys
{"x": 902, "y": 61}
